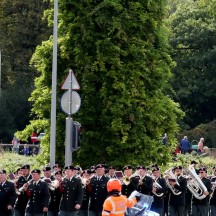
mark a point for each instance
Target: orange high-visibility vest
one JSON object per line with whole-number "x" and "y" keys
{"x": 117, "y": 205}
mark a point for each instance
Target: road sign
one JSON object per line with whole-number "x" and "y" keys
{"x": 76, "y": 102}
{"x": 67, "y": 82}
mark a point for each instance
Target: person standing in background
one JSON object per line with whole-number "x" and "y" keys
{"x": 16, "y": 144}
{"x": 26, "y": 150}
{"x": 185, "y": 145}
{"x": 201, "y": 145}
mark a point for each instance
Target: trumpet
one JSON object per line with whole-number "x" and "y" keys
{"x": 21, "y": 189}
{"x": 195, "y": 185}
{"x": 169, "y": 175}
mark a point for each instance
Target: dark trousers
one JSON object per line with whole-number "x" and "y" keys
{"x": 200, "y": 210}
{"x": 176, "y": 211}
{"x": 68, "y": 213}
{"x": 95, "y": 213}
{"x": 83, "y": 213}
{"x": 158, "y": 210}
{"x": 52, "y": 213}
{"x": 188, "y": 209}
{"x": 33, "y": 214}
{"x": 213, "y": 210}
{"x": 18, "y": 213}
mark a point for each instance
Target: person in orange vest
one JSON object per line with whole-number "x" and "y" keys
{"x": 116, "y": 204}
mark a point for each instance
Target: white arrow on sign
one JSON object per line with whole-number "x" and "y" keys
{"x": 67, "y": 82}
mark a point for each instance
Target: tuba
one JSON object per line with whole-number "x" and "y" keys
{"x": 195, "y": 185}
{"x": 169, "y": 175}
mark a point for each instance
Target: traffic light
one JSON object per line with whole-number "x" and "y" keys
{"x": 76, "y": 135}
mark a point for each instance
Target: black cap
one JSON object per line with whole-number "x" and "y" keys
{"x": 178, "y": 167}
{"x": 71, "y": 167}
{"x": 202, "y": 169}
{"x": 19, "y": 169}
{"x": 88, "y": 171}
{"x": 155, "y": 169}
{"x": 36, "y": 171}
{"x": 111, "y": 167}
{"x": 194, "y": 162}
{"x": 57, "y": 166}
{"x": 47, "y": 169}
{"x": 78, "y": 168}
{"x": 154, "y": 165}
{"x": 99, "y": 166}
{"x": 127, "y": 167}
{"x": 26, "y": 166}
{"x": 58, "y": 172}
{"x": 140, "y": 167}
{"x": 3, "y": 172}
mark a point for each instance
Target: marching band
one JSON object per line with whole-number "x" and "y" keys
{"x": 177, "y": 192}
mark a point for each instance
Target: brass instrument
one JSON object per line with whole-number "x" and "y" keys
{"x": 169, "y": 175}
{"x": 156, "y": 185}
{"x": 126, "y": 180}
{"x": 195, "y": 184}
{"x": 52, "y": 185}
{"x": 85, "y": 181}
{"x": 20, "y": 190}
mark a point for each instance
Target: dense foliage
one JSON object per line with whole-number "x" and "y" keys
{"x": 193, "y": 40}
{"x": 22, "y": 29}
{"x": 119, "y": 53}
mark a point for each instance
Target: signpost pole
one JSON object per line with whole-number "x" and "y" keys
{"x": 69, "y": 126}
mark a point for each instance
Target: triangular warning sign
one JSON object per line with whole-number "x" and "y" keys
{"x": 71, "y": 78}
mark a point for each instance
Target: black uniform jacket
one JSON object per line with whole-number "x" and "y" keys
{"x": 204, "y": 201}
{"x": 159, "y": 201}
{"x": 178, "y": 200}
{"x": 98, "y": 193}
{"x": 7, "y": 197}
{"x": 55, "y": 198}
{"x": 86, "y": 197}
{"x": 127, "y": 189}
{"x": 38, "y": 197}
{"x": 145, "y": 187}
{"x": 22, "y": 199}
{"x": 72, "y": 194}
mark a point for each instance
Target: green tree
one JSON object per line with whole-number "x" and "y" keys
{"x": 193, "y": 41}
{"x": 119, "y": 53}
{"x": 22, "y": 29}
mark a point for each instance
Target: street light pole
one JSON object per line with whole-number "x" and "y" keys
{"x": 54, "y": 85}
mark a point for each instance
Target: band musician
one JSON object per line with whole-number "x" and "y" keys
{"x": 158, "y": 191}
{"x": 97, "y": 190}
{"x": 22, "y": 199}
{"x": 129, "y": 183}
{"x": 176, "y": 203}
{"x": 72, "y": 194}
{"x": 7, "y": 195}
{"x": 38, "y": 193}
{"x": 145, "y": 181}
{"x": 201, "y": 206}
